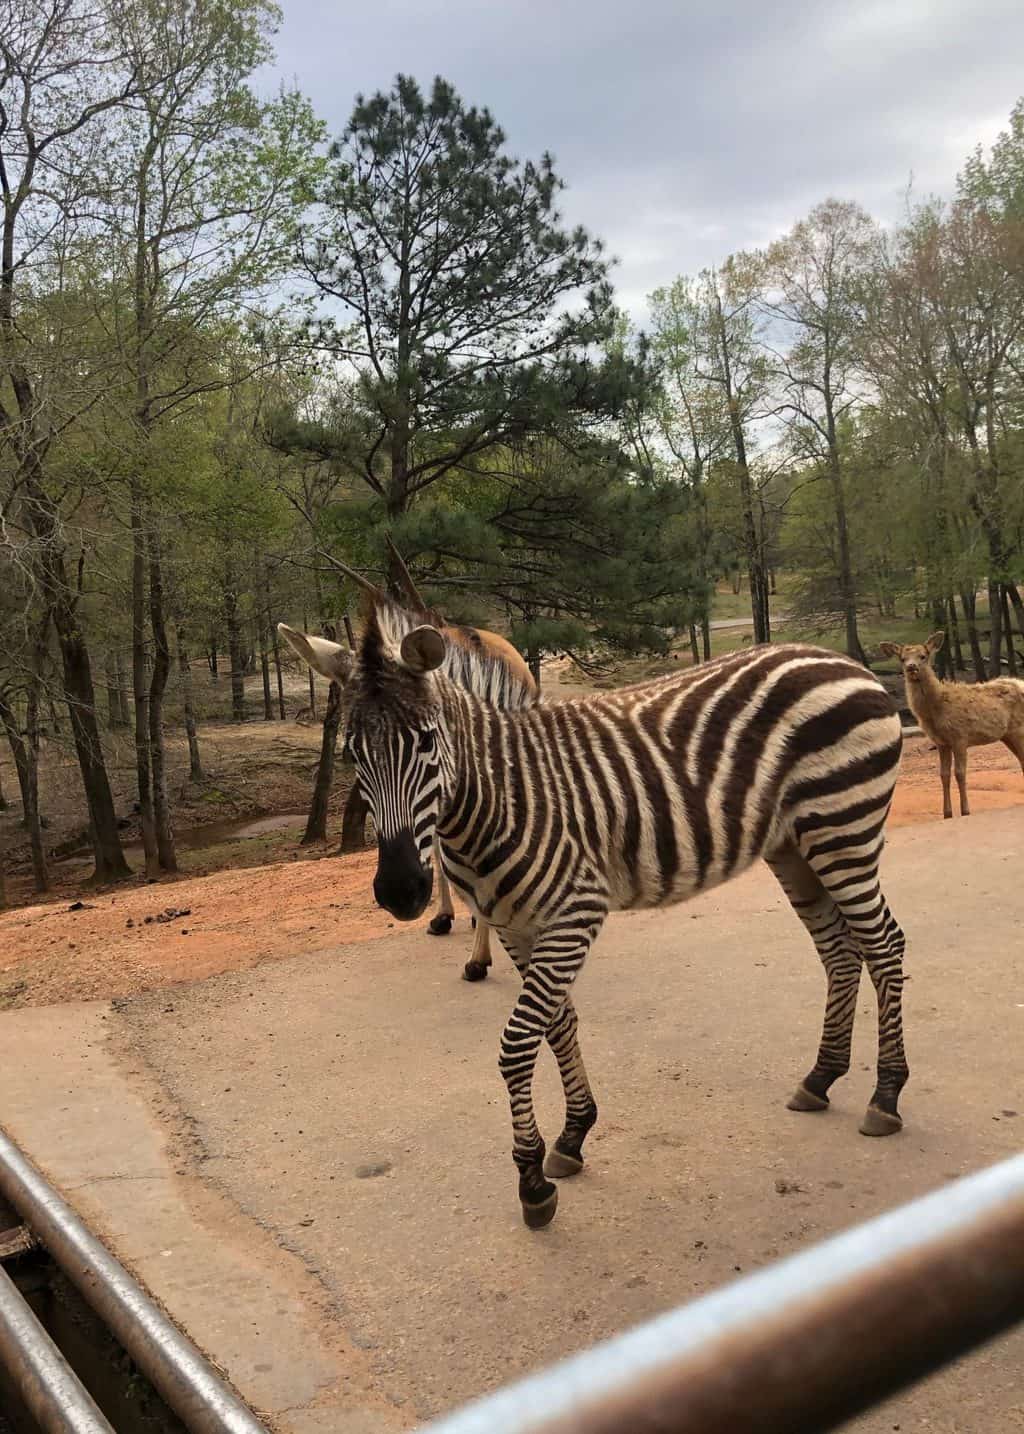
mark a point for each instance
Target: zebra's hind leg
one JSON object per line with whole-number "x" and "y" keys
{"x": 851, "y": 879}
{"x": 566, "y": 1158}
{"x": 444, "y": 917}
{"x": 842, "y": 962}
{"x": 477, "y": 966}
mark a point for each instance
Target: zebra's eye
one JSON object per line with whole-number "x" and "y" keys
{"x": 428, "y": 740}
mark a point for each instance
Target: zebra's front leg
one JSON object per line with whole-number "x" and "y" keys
{"x": 552, "y": 968}
{"x": 444, "y": 916}
{"x": 580, "y": 1107}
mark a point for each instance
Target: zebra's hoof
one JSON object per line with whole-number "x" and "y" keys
{"x": 535, "y": 1217}
{"x": 558, "y": 1165}
{"x": 474, "y": 971}
{"x": 804, "y": 1099}
{"x": 441, "y": 925}
{"x": 880, "y": 1122}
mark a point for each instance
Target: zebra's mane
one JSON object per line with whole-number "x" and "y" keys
{"x": 467, "y": 662}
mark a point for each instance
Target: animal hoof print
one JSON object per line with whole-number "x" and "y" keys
{"x": 558, "y": 1165}
{"x": 880, "y": 1122}
{"x": 440, "y": 926}
{"x": 472, "y": 972}
{"x": 804, "y": 1099}
{"x": 535, "y": 1217}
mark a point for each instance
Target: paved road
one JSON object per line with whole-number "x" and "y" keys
{"x": 335, "y": 1130}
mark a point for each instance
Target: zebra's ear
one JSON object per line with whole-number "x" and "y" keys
{"x": 328, "y": 658}
{"x": 422, "y": 649}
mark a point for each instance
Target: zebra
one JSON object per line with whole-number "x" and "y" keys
{"x": 551, "y": 816}
{"x": 515, "y": 686}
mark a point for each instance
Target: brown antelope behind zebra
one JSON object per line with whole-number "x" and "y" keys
{"x": 335, "y": 663}
{"x": 552, "y": 816}
{"x": 959, "y": 715}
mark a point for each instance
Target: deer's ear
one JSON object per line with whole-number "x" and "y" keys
{"x": 935, "y": 641}
{"x": 889, "y": 649}
{"x": 330, "y": 659}
{"x": 422, "y": 649}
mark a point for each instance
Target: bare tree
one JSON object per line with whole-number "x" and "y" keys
{"x": 812, "y": 296}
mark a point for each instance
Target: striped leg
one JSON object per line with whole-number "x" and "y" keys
{"x": 580, "y": 1107}
{"x": 842, "y": 961}
{"x": 444, "y": 916}
{"x": 851, "y": 879}
{"x": 476, "y": 967}
{"x": 548, "y": 971}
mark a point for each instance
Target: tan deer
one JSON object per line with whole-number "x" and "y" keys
{"x": 958, "y": 715}
{"x": 335, "y": 662}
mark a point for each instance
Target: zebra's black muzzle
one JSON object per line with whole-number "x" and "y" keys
{"x": 402, "y": 884}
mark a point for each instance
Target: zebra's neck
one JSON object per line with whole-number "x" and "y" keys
{"x": 473, "y": 728}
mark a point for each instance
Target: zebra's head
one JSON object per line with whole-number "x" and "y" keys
{"x": 396, "y": 737}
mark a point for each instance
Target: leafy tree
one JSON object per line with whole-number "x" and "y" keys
{"x": 465, "y": 311}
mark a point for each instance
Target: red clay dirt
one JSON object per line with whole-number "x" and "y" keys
{"x": 122, "y": 942}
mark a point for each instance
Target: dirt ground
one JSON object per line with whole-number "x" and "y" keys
{"x": 271, "y": 899}
{"x": 334, "y": 1127}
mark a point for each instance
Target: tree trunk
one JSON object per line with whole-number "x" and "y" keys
{"x": 28, "y": 782}
{"x": 122, "y": 691}
{"x": 995, "y": 641}
{"x": 694, "y": 649}
{"x": 211, "y": 657}
{"x": 81, "y": 700}
{"x": 113, "y": 693}
{"x": 954, "y": 629}
{"x": 195, "y": 765}
{"x": 268, "y": 705}
{"x": 1017, "y": 603}
{"x": 944, "y": 656}
{"x": 353, "y": 823}
{"x": 235, "y": 653}
{"x": 968, "y": 602}
{"x": 316, "y": 823}
{"x": 533, "y": 663}
{"x": 1011, "y": 655}
{"x": 140, "y": 686}
{"x": 157, "y": 688}
{"x": 277, "y": 669}
{"x": 847, "y": 587}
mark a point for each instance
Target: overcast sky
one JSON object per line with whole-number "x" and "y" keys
{"x": 688, "y": 130}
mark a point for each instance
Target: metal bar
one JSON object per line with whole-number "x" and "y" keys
{"x": 46, "y": 1383}
{"x": 188, "y": 1384}
{"x": 801, "y": 1346}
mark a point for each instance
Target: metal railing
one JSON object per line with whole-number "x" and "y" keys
{"x": 798, "y": 1347}
{"x": 187, "y": 1382}
{"x": 804, "y": 1344}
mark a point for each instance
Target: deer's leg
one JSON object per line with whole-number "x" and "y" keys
{"x": 960, "y": 767}
{"x": 842, "y": 962}
{"x": 1015, "y": 742}
{"x": 444, "y": 916}
{"x": 945, "y": 771}
{"x": 548, "y": 972}
{"x": 477, "y": 965}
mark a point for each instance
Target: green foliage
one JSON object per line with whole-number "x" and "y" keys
{"x": 470, "y": 316}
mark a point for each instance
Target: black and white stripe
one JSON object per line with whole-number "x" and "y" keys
{"x": 552, "y": 816}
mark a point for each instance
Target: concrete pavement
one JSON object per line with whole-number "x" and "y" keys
{"x": 309, "y": 1162}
